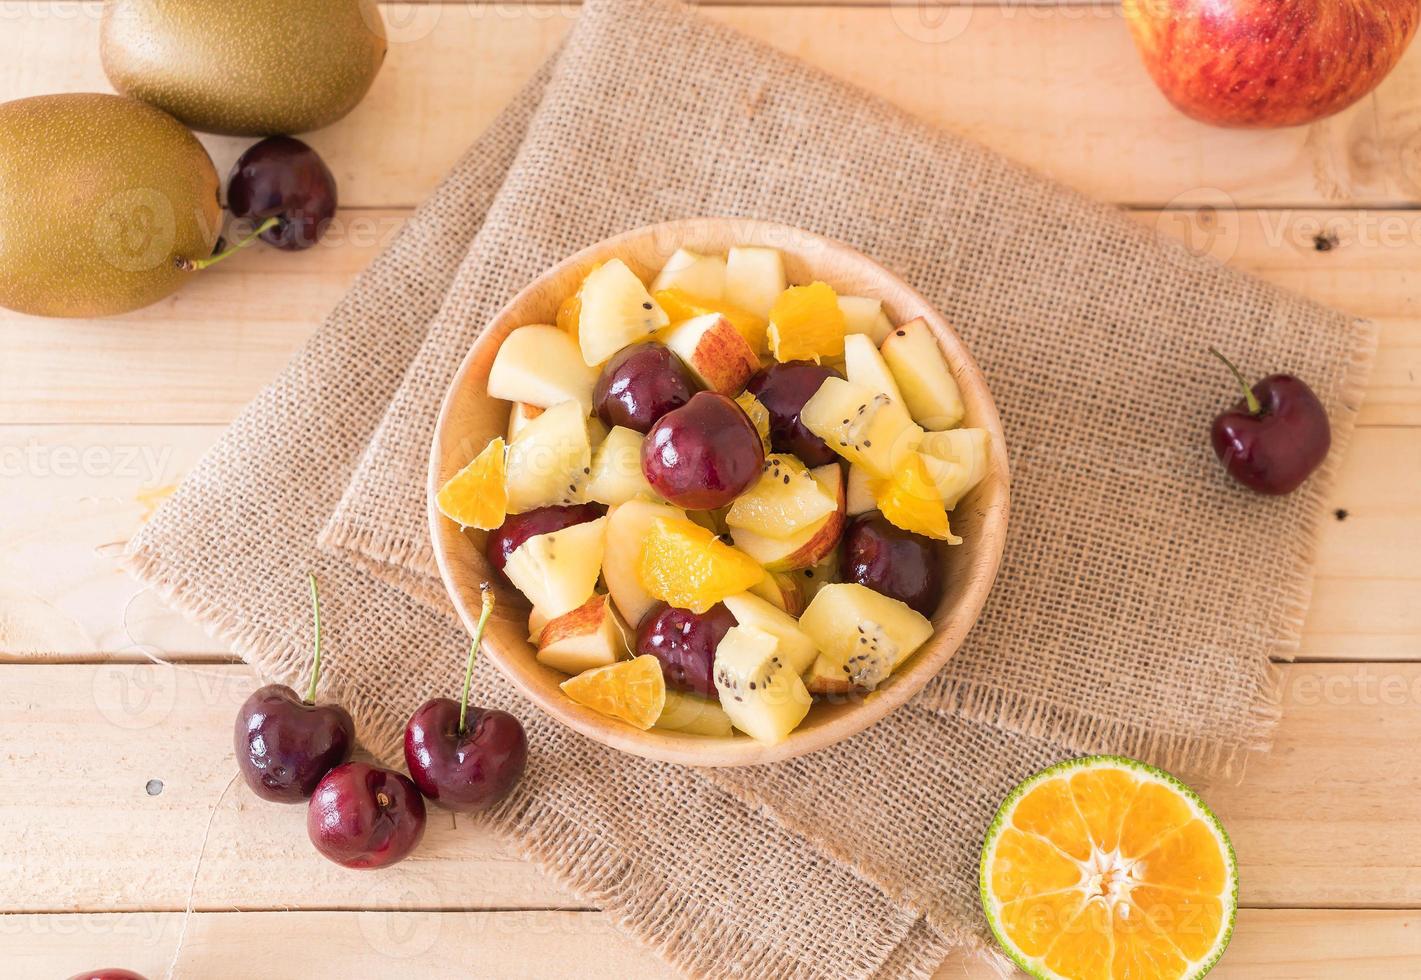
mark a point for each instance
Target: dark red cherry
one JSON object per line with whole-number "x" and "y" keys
{"x": 887, "y": 559}
{"x": 518, "y": 528}
{"x": 783, "y": 389}
{"x": 362, "y": 816}
{"x": 640, "y": 384}
{"x": 285, "y": 743}
{"x": 1275, "y": 436}
{"x": 704, "y": 454}
{"x": 685, "y": 644}
{"x": 462, "y": 757}
{"x": 283, "y": 178}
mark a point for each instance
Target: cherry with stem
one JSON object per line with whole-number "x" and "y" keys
{"x": 1274, "y": 437}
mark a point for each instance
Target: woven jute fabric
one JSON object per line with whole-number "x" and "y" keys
{"x": 1129, "y": 615}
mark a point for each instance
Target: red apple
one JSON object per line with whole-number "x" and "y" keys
{"x": 1267, "y": 63}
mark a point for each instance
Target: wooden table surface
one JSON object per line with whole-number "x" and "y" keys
{"x": 112, "y": 764}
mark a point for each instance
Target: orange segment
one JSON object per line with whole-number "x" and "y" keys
{"x": 691, "y": 568}
{"x": 1106, "y": 868}
{"x": 1186, "y": 860}
{"x": 1026, "y": 865}
{"x": 571, "y": 309}
{"x": 806, "y": 324}
{"x": 1084, "y": 948}
{"x": 1050, "y": 811}
{"x": 1155, "y": 812}
{"x": 910, "y": 500}
{"x": 1034, "y": 923}
{"x": 1140, "y": 949}
{"x": 1189, "y": 919}
{"x": 476, "y": 496}
{"x": 633, "y": 691}
{"x": 1103, "y": 796}
{"x": 681, "y": 305}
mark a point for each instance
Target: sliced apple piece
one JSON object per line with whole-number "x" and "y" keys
{"x": 809, "y": 544}
{"x": 519, "y": 416}
{"x": 628, "y": 525}
{"x": 549, "y": 459}
{"x": 866, "y": 631}
{"x": 948, "y": 477}
{"x": 758, "y": 689}
{"x": 541, "y": 365}
{"x": 592, "y": 635}
{"x": 616, "y": 311}
{"x": 537, "y": 620}
{"x": 783, "y": 590}
{"x": 784, "y": 500}
{"x": 557, "y": 571}
{"x": 717, "y": 353}
{"x": 863, "y": 365}
{"x": 825, "y": 677}
{"x": 859, "y": 498}
{"x": 754, "y": 278}
{"x": 702, "y": 276}
{"x": 923, "y": 376}
{"x": 616, "y": 469}
{"x": 795, "y": 645}
{"x": 864, "y": 426}
{"x": 864, "y": 315}
{"x": 693, "y": 715}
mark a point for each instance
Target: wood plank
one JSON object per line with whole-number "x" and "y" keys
{"x": 1058, "y": 88}
{"x": 75, "y": 493}
{"x": 1267, "y": 944}
{"x": 200, "y": 355}
{"x": 133, "y": 760}
{"x": 1318, "y": 823}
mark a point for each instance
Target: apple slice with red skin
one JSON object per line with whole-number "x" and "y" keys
{"x": 805, "y": 547}
{"x": 717, "y": 353}
{"x": 592, "y": 635}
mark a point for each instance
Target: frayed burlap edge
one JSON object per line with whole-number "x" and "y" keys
{"x": 1208, "y": 755}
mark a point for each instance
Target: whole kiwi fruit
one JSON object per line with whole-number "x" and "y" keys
{"x": 102, "y": 199}
{"x": 245, "y": 67}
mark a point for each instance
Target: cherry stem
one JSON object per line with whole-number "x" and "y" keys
{"x": 197, "y": 265}
{"x": 1254, "y": 407}
{"x": 315, "y": 660}
{"x": 484, "y": 614}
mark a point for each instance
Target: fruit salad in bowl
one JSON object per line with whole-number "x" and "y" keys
{"x": 745, "y": 492}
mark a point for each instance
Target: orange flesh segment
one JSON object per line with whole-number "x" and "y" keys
{"x": 806, "y": 323}
{"x": 1103, "y": 796}
{"x": 689, "y": 567}
{"x": 476, "y": 495}
{"x": 680, "y": 305}
{"x": 631, "y": 690}
{"x": 1027, "y": 865}
{"x": 1141, "y": 949}
{"x": 1083, "y": 948}
{"x": 1049, "y": 811}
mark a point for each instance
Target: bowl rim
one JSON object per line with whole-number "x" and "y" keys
{"x": 708, "y": 751}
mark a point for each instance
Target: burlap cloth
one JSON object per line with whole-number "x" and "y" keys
{"x": 1141, "y": 593}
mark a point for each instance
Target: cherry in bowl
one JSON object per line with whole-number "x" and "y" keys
{"x": 704, "y": 454}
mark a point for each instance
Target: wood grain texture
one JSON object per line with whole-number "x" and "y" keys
{"x": 202, "y": 354}
{"x": 1323, "y": 821}
{"x": 469, "y": 417}
{"x": 1058, "y": 88}
{"x": 1268, "y": 944}
{"x": 76, "y": 493}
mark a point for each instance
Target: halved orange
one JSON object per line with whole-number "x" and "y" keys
{"x": 691, "y": 568}
{"x": 476, "y": 495}
{"x": 806, "y": 324}
{"x": 1104, "y": 868}
{"x": 633, "y": 691}
{"x": 910, "y": 500}
{"x": 681, "y": 305}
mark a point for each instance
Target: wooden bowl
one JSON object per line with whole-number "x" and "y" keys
{"x": 469, "y": 418}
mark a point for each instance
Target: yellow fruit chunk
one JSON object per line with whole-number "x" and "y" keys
{"x": 475, "y": 496}
{"x": 688, "y": 566}
{"x": 681, "y": 305}
{"x": 806, "y": 324}
{"x": 1069, "y": 893}
{"x": 758, "y": 413}
{"x": 910, "y": 500}
{"x": 633, "y": 691}
{"x": 571, "y": 309}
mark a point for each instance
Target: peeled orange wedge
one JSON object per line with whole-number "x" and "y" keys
{"x": 681, "y": 305}
{"x": 475, "y": 496}
{"x": 806, "y": 324}
{"x": 1104, "y": 868}
{"x": 910, "y": 500}
{"x": 633, "y": 691}
{"x": 691, "y": 568}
